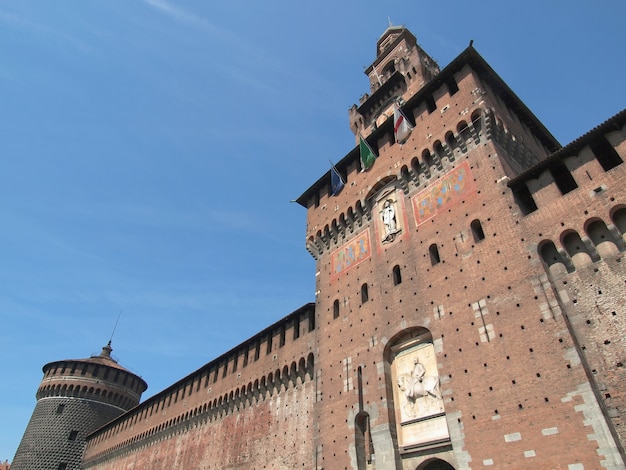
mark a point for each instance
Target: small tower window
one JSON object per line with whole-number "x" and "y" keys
{"x": 364, "y": 293}
{"x": 477, "y": 230}
{"x": 296, "y": 328}
{"x": 60, "y": 408}
{"x": 336, "y": 308}
{"x": 72, "y": 436}
{"x": 434, "y": 254}
{"x": 397, "y": 276}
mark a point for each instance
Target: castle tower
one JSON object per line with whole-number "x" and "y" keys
{"x": 75, "y": 397}
{"x": 400, "y": 69}
{"x": 444, "y": 341}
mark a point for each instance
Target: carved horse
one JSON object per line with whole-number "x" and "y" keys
{"x": 413, "y": 389}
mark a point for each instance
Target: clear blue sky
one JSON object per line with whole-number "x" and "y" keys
{"x": 149, "y": 151}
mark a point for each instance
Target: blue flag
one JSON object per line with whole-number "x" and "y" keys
{"x": 336, "y": 181}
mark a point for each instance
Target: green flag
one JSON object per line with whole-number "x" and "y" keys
{"x": 367, "y": 154}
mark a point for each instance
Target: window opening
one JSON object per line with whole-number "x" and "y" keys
{"x": 524, "y": 199}
{"x": 434, "y": 254}
{"x": 364, "y": 293}
{"x": 563, "y": 178}
{"x": 605, "y": 154}
{"x": 397, "y": 276}
{"x": 477, "y": 230}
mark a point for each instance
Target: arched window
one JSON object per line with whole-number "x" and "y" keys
{"x": 602, "y": 238}
{"x": 363, "y": 440}
{"x": 576, "y": 249}
{"x": 427, "y": 158}
{"x": 404, "y": 173}
{"x": 450, "y": 141}
{"x": 619, "y": 219}
{"x": 434, "y": 254}
{"x": 477, "y": 230}
{"x": 364, "y": 293}
{"x": 438, "y": 149}
{"x": 477, "y": 120}
{"x": 336, "y": 308}
{"x": 415, "y": 165}
{"x": 463, "y": 129}
{"x": 397, "y": 276}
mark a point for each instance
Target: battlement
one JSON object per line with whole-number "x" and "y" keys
{"x": 276, "y": 359}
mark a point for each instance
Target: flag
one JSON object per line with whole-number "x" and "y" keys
{"x": 401, "y": 127}
{"x": 367, "y": 154}
{"x": 336, "y": 181}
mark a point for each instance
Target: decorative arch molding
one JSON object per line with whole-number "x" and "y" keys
{"x": 556, "y": 260}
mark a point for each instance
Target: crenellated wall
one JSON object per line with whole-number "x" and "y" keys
{"x": 240, "y": 400}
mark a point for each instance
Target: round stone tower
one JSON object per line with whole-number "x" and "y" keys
{"x": 75, "y": 397}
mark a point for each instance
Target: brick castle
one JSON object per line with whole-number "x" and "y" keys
{"x": 469, "y": 306}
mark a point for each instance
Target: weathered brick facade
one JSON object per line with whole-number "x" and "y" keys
{"x": 469, "y": 302}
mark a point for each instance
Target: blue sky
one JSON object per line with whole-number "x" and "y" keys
{"x": 149, "y": 151}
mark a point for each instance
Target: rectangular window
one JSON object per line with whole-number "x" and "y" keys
{"x": 60, "y": 408}
{"x": 296, "y": 328}
{"x": 605, "y": 154}
{"x": 73, "y": 435}
{"x": 524, "y": 199}
{"x": 563, "y": 178}
{"x": 452, "y": 86}
{"x": 430, "y": 104}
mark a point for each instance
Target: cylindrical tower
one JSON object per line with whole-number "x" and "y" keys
{"x": 75, "y": 398}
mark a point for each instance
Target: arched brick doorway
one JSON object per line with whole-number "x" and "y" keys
{"x": 435, "y": 464}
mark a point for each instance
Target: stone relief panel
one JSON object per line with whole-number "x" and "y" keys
{"x": 417, "y": 396}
